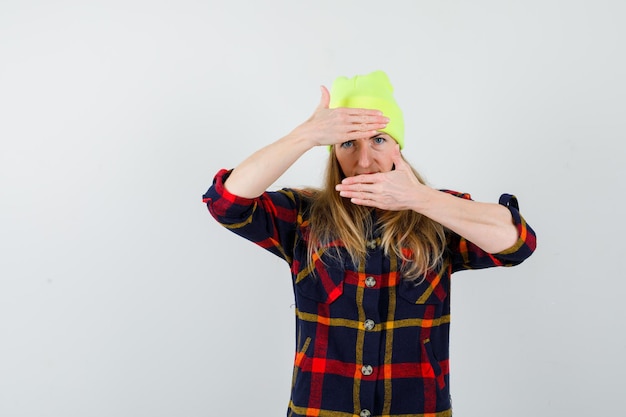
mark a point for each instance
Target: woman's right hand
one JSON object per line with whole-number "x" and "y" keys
{"x": 334, "y": 126}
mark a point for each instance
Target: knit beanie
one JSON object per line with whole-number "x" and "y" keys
{"x": 371, "y": 91}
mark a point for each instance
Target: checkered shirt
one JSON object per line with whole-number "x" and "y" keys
{"x": 368, "y": 342}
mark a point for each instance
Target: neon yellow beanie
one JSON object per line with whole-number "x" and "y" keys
{"x": 371, "y": 91}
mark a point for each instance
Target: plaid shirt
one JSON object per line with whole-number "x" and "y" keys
{"x": 369, "y": 343}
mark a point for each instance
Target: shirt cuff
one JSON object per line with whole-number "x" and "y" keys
{"x": 526, "y": 241}
{"x": 220, "y": 201}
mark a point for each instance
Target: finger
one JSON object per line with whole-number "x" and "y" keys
{"x": 369, "y": 118}
{"x": 350, "y": 183}
{"x": 352, "y": 112}
{"x": 363, "y": 132}
{"x": 360, "y": 181}
{"x": 366, "y": 119}
{"x": 359, "y": 134}
{"x": 368, "y": 203}
{"x": 359, "y": 195}
{"x": 397, "y": 159}
{"x": 325, "y": 99}
{"x": 358, "y": 111}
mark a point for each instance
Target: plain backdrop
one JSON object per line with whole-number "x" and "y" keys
{"x": 121, "y": 296}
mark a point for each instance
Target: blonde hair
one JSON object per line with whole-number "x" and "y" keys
{"x": 415, "y": 239}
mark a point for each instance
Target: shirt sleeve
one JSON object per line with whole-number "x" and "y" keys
{"x": 269, "y": 220}
{"x": 466, "y": 255}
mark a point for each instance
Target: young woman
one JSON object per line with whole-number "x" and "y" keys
{"x": 371, "y": 254}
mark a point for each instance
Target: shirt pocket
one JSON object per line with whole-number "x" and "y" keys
{"x": 432, "y": 289}
{"x": 301, "y": 356}
{"x": 429, "y": 354}
{"x": 320, "y": 281}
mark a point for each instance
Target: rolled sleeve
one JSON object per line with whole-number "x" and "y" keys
{"x": 467, "y": 255}
{"x": 269, "y": 220}
{"x": 224, "y": 206}
{"x": 527, "y": 239}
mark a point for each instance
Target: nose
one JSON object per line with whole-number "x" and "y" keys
{"x": 364, "y": 156}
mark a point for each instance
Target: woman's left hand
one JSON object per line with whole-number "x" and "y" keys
{"x": 395, "y": 190}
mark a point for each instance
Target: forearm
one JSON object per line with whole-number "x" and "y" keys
{"x": 488, "y": 225}
{"x": 257, "y": 172}
{"x": 325, "y": 127}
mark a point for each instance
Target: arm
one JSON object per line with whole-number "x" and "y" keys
{"x": 325, "y": 127}
{"x": 489, "y": 226}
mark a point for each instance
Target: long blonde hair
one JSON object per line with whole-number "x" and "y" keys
{"x": 415, "y": 239}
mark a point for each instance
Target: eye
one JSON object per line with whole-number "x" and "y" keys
{"x": 379, "y": 140}
{"x": 348, "y": 144}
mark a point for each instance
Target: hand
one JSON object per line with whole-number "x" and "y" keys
{"x": 333, "y": 126}
{"x": 395, "y": 190}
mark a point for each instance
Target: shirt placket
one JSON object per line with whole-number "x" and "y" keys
{"x": 370, "y": 317}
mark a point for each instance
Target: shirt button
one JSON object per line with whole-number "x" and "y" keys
{"x": 367, "y": 370}
{"x": 365, "y": 413}
{"x": 369, "y": 324}
{"x": 370, "y": 282}
{"x": 371, "y": 244}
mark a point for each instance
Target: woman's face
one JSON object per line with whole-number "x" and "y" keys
{"x": 366, "y": 155}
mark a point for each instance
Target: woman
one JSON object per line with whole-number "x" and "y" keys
{"x": 371, "y": 255}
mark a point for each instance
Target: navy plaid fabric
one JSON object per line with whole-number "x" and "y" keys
{"x": 369, "y": 343}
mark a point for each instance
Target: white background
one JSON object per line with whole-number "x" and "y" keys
{"x": 119, "y": 294}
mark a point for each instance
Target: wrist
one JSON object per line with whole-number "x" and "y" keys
{"x": 424, "y": 199}
{"x": 301, "y": 139}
